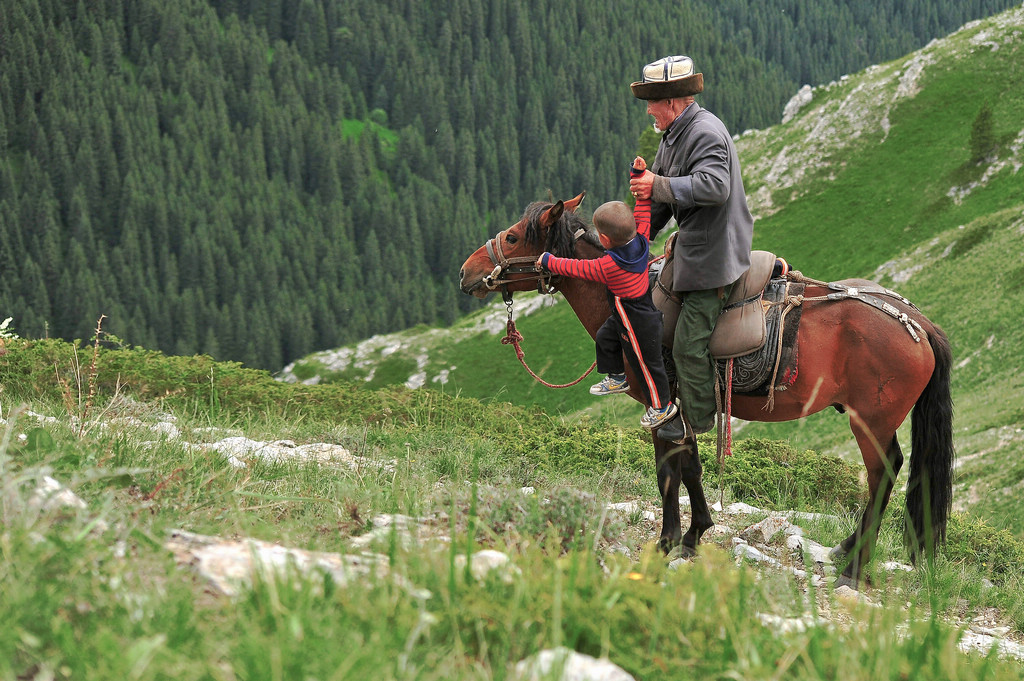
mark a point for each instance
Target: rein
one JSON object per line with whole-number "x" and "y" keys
{"x": 527, "y": 266}
{"x": 513, "y": 338}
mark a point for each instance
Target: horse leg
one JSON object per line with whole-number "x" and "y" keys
{"x": 700, "y": 514}
{"x": 882, "y": 469}
{"x": 681, "y": 463}
{"x": 668, "y": 463}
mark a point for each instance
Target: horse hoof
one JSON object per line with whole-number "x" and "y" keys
{"x": 843, "y": 580}
{"x": 837, "y": 553}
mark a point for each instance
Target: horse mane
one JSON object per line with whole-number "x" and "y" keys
{"x": 561, "y": 237}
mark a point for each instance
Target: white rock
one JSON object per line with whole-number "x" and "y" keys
{"x": 487, "y": 561}
{"x": 166, "y": 429}
{"x": 765, "y": 530}
{"x": 240, "y": 451}
{"x": 232, "y": 565}
{"x": 974, "y": 642}
{"x": 40, "y": 417}
{"x": 787, "y": 625}
{"x": 801, "y": 99}
{"x": 406, "y": 528}
{"x": 744, "y": 550}
{"x": 740, "y": 507}
{"x": 805, "y": 515}
{"x": 849, "y": 594}
{"x": 817, "y": 552}
{"x": 574, "y": 667}
{"x": 51, "y": 495}
{"x": 631, "y": 508}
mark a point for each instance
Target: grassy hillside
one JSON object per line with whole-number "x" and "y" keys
{"x": 174, "y": 517}
{"x": 922, "y": 196}
{"x": 907, "y": 173}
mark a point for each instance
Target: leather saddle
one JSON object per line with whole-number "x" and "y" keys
{"x": 741, "y": 328}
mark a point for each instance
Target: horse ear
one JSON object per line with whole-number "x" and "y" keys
{"x": 572, "y": 204}
{"x": 551, "y": 215}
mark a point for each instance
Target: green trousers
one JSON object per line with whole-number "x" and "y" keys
{"x": 695, "y": 370}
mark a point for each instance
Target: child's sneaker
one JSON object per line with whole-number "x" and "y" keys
{"x": 610, "y": 385}
{"x": 655, "y": 418}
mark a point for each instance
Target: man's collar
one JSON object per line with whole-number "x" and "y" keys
{"x": 680, "y": 123}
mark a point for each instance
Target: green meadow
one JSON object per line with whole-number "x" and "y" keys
{"x": 97, "y": 589}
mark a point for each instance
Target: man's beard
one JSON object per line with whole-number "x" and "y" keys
{"x": 656, "y": 128}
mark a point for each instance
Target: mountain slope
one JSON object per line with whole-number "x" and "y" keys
{"x": 907, "y": 173}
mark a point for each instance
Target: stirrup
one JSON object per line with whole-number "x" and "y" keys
{"x": 673, "y": 431}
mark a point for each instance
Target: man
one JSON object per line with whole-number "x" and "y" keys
{"x": 695, "y": 178}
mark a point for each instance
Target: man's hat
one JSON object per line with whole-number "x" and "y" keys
{"x": 667, "y": 78}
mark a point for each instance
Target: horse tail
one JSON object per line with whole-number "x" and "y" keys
{"x": 930, "y": 487}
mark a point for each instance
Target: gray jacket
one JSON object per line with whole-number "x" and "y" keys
{"x": 698, "y": 156}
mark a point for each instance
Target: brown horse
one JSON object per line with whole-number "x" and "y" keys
{"x": 852, "y": 357}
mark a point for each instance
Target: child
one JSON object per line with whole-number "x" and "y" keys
{"x": 634, "y": 327}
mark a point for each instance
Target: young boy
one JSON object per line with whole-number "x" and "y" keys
{"x": 634, "y": 327}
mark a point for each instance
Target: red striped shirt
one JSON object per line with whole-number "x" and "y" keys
{"x": 605, "y": 270}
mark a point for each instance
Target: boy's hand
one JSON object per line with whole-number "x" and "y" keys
{"x": 539, "y": 265}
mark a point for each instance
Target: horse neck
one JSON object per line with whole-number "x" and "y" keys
{"x": 588, "y": 299}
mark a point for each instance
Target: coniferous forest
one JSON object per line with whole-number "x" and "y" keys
{"x": 258, "y": 179}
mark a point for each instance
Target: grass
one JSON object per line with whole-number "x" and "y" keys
{"x": 93, "y": 593}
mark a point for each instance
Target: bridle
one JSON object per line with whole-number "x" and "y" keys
{"x": 524, "y": 267}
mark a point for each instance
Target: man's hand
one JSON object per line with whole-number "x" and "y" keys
{"x": 641, "y": 186}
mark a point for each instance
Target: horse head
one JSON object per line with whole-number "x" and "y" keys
{"x": 508, "y": 260}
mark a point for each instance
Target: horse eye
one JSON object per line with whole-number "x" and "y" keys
{"x": 511, "y": 238}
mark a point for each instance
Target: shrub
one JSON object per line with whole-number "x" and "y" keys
{"x": 567, "y": 518}
{"x": 583, "y": 447}
{"x": 973, "y": 541}
{"x": 199, "y": 383}
{"x": 774, "y": 474}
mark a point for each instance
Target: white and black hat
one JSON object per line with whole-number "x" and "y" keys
{"x": 668, "y": 78}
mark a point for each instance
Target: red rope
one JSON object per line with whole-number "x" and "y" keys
{"x": 728, "y": 408}
{"x": 513, "y": 338}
